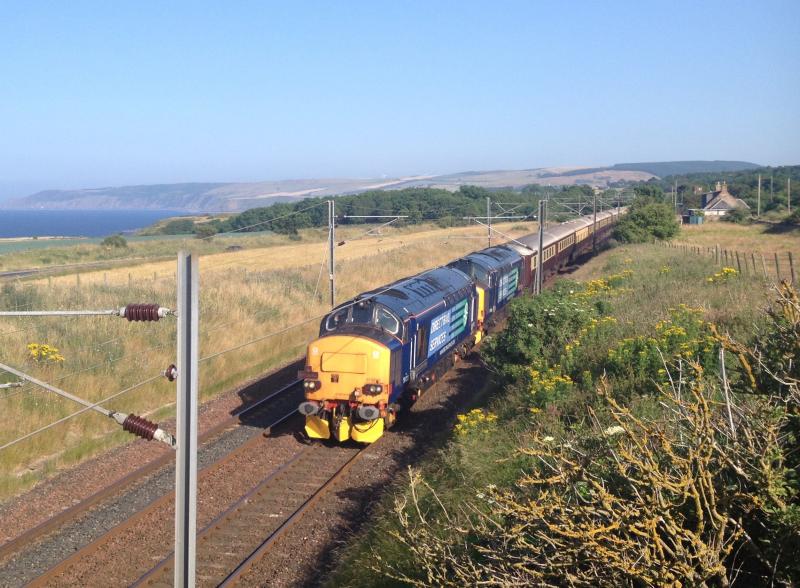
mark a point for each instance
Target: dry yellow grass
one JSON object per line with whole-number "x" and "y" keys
{"x": 760, "y": 238}
{"x": 245, "y": 297}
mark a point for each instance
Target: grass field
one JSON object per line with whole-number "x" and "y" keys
{"x": 49, "y": 253}
{"x": 758, "y": 237}
{"x": 249, "y": 301}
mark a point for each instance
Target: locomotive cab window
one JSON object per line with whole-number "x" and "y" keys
{"x": 362, "y": 312}
{"x": 387, "y": 321}
{"x": 336, "y": 319}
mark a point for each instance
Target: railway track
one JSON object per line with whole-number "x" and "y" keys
{"x": 239, "y": 537}
{"x": 264, "y": 413}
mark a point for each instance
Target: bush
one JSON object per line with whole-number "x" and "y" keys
{"x": 740, "y": 216}
{"x": 693, "y": 484}
{"x": 647, "y": 220}
{"x": 793, "y": 218}
{"x": 116, "y": 241}
{"x": 204, "y": 231}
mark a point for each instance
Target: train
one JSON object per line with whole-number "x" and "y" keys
{"x": 379, "y": 352}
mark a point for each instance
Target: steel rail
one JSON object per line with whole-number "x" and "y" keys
{"x": 236, "y": 575}
{"x": 247, "y": 508}
{"x": 73, "y": 512}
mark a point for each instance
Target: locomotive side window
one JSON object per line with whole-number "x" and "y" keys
{"x": 422, "y": 344}
{"x": 386, "y": 320}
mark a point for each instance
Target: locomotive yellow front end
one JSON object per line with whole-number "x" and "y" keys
{"x": 347, "y": 387}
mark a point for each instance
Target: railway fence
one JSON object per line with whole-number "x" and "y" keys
{"x": 772, "y": 266}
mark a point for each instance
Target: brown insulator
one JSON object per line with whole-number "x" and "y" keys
{"x": 140, "y": 426}
{"x": 171, "y": 372}
{"x": 141, "y": 312}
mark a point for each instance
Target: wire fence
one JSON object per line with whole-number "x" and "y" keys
{"x": 774, "y": 266}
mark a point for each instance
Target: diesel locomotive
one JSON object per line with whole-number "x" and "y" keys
{"x": 377, "y": 353}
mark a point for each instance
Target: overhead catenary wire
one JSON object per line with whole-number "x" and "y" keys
{"x": 91, "y": 406}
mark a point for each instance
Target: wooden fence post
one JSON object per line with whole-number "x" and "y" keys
{"x": 791, "y": 266}
{"x": 764, "y": 266}
{"x": 777, "y": 268}
{"x": 738, "y": 263}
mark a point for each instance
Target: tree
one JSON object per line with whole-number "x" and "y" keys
{"x": 181, "y": 226}
{"x": 649, "y": 191}
{"x": 116, "y": 241}
{"x": 647, "y": 220}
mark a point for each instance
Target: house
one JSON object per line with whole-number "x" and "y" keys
{"x": 720, "y": 202}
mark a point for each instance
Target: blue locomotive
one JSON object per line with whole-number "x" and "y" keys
{"x": 377, "y": 353}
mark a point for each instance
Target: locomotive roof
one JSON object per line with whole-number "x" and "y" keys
{"x": 493, "y": 257}
{"x": 414, "y": 295}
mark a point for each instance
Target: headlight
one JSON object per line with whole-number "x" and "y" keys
{"x": 372, "y": 389}
{"x": 312, "y": 385}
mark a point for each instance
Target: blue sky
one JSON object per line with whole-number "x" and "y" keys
{"x": 112, "y": 93}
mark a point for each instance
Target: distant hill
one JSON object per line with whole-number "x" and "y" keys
{"x": 238, "y": 196}
{"x": 672, "y": 168}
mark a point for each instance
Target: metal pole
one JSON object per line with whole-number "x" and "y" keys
{"x": 331, "y": 248}
{"x": 540, "y": 254}
{"x": 489, "y": 220}
{"x": 186, "y": 456}
{"x": 758, "y": 213}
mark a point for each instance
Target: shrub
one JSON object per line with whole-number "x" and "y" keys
{"x": 204, "y": 231}
{"x": 794, "y": 217}
{"x": 646, "y": 220}
{"x": 740, "y": 216}
{"x": 115, "y": 241}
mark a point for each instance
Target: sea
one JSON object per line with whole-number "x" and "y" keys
{"x": 77, "y": 223}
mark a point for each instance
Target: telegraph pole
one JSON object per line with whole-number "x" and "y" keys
{"x": 758, "y": 210}
{"x": 771, "y": 192}
{"x": 540, "y": 254}
{"x": 331, "y": 248}
{"x": 489, "y": 219}
{"x": 789, "y": 194}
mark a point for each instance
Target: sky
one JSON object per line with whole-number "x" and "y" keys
{"x": 98, "y": 94}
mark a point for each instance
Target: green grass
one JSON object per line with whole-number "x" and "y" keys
{"x": 655, "y": 281}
